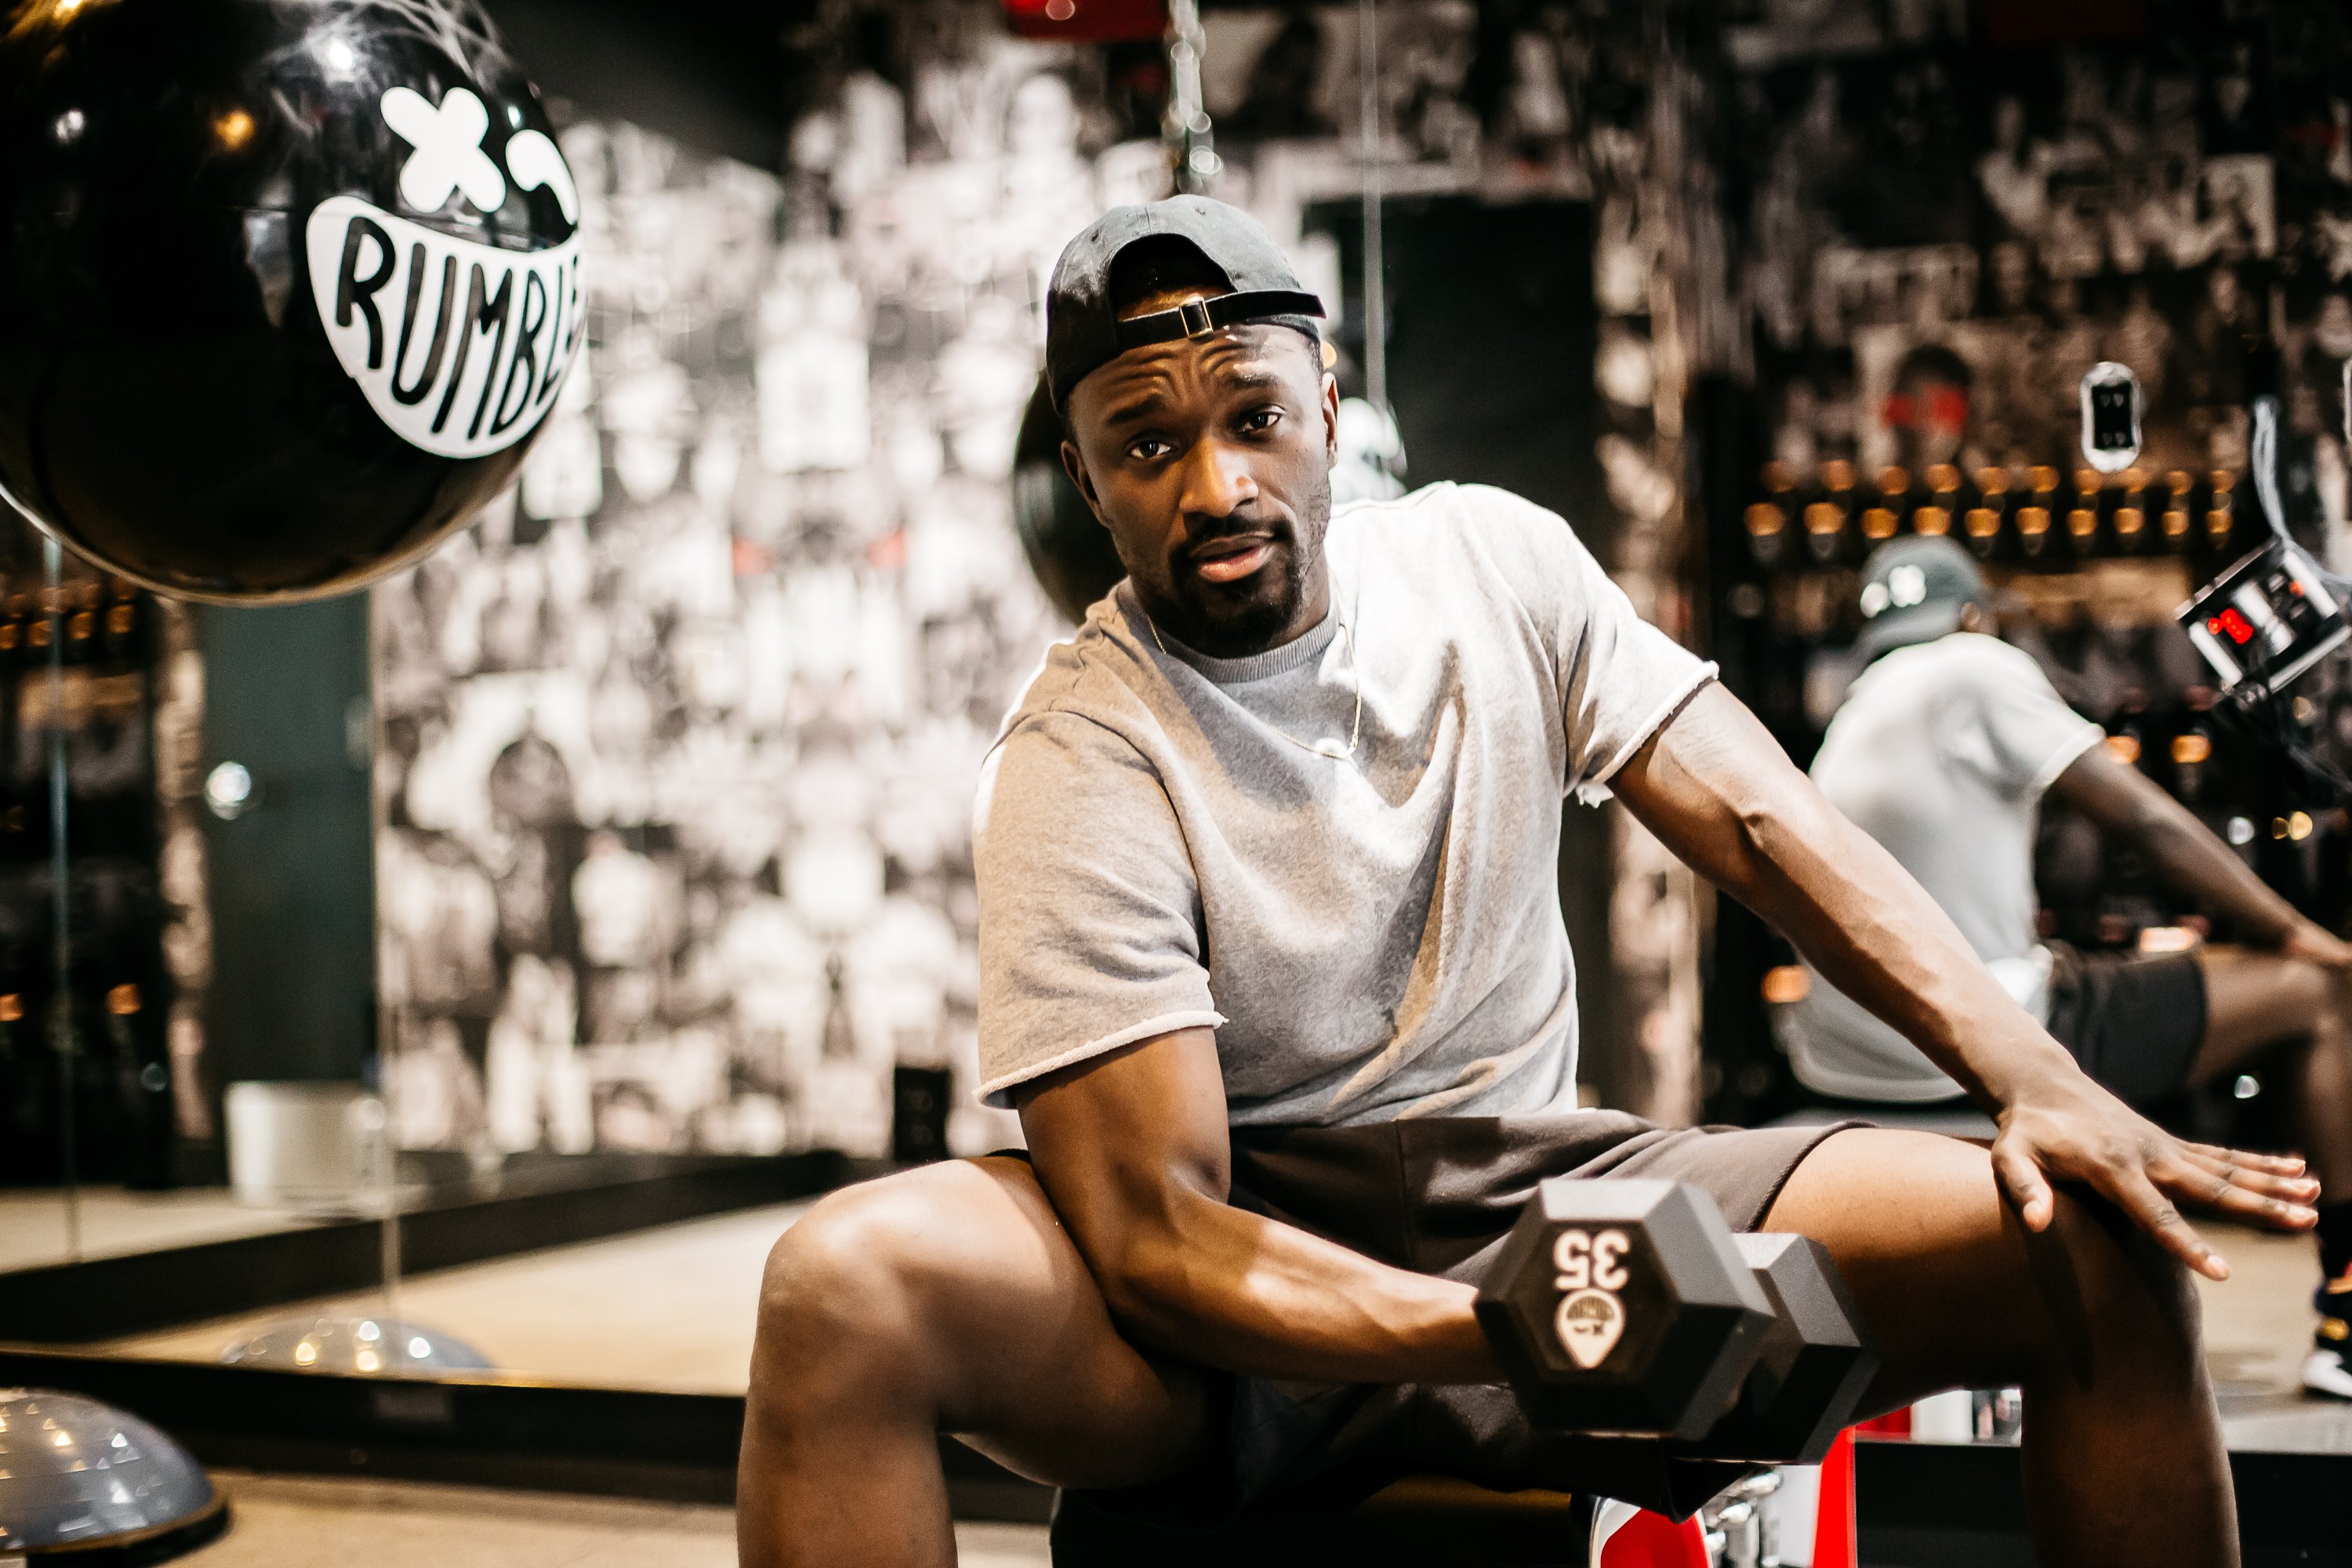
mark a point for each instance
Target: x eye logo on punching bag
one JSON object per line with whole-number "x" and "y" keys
{"x": 460, "y": 347}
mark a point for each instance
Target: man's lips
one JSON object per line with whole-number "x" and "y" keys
{"x": 1231, "y": 560}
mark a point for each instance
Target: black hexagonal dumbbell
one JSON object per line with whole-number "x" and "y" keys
{"x": 1815, "y": 1362}
{"x": 1618, "y": 1306}
{"x": 1625, "y": 1307}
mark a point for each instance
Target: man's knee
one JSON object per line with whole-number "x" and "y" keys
{"x": 2311, "y": 992}
{"x": 851, "y": 1281}
{"x": 902, "y": 1258}
{"x": 2114, "y": 1296}
{"x": 2258, "y": 999}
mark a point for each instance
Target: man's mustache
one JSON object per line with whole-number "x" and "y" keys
{"x": 1206, "y": 539}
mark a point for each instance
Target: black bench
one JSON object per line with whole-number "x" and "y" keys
{"x": 1418, "y": 1520}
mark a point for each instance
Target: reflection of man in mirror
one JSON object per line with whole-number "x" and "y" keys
{"x": 1929, "y": 409}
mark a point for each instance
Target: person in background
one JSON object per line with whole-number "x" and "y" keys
{"x": 1942, "y": 752}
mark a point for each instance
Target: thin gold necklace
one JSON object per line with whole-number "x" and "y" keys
{"x": 1320, "y": 748}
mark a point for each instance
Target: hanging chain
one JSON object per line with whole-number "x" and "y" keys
{"x": 1186, "y": 125}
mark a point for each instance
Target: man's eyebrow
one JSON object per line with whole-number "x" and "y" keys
{"x": 1153, "y": 399}
{"x": 1140, "y": 405}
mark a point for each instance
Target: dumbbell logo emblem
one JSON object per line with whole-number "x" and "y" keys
{"x": 1591, "y": 1271}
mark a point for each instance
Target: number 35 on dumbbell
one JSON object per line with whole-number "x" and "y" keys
{"x": 1629, "y": 1308}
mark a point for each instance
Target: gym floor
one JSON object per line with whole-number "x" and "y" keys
{"x": 524, "y": 1313}
{"x": 282, "y": 1521}
{"x": 115, "y": 1222}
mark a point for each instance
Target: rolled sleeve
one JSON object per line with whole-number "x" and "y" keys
{"x": 1089, "y": 911}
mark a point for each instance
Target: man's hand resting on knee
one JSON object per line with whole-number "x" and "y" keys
{"x": 2070, "y": 1129}
{"x": 1719, "y": 792}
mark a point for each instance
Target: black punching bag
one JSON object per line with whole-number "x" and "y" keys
{"x": 1069, "y": 552}
{"x": 285, "y": 285}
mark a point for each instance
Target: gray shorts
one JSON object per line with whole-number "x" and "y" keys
{"x": 1436, "y": 1196}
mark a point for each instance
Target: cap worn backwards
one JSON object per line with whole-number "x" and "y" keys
{"x": 1083, "y": 331}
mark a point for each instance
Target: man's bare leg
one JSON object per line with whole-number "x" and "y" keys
{"x": 2265, "y": 1007}
{"x": 2123, "y": 1451}
{"x": 947, "y": 1299}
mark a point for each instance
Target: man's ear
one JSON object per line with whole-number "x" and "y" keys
{"x": 1330, "y": 418}
{"x": 1076, "y": 467}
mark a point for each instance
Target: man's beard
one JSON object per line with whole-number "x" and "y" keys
{"x": 1252, "y": 617}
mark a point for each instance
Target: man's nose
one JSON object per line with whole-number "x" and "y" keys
{"x": 1217, "y": 481}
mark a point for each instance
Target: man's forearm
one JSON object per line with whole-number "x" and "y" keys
{"x": 1229, "y": 1288}
{"x": 1722, "y": 794}
{"x": 1873, "y": 933}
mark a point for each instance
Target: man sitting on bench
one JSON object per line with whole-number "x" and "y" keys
{"x": 1273, "y": 968}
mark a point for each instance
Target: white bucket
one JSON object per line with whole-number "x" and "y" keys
{"x": 313, "y": 1146}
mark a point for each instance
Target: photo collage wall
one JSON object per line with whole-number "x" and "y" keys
{"x": 678, "y": 743}
{"x": 1942, "y": 233}
{"x": 1948, "y": 215}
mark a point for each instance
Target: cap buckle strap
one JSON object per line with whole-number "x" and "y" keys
{"x": 1195, "y": 314}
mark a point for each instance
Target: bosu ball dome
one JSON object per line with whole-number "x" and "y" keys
{"x": 82, "y": 1482}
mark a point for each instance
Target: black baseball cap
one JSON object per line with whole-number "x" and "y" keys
{"x": 1914, "y": 591}
{"x": 1083, "y": 331}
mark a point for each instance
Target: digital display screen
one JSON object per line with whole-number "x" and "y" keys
{"x": 2230, "y": 624}
{"x": 2267, "y": 620}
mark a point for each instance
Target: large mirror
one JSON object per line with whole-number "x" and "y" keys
{"x": 610, "y": 867}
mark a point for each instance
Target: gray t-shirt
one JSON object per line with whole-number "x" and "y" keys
{"x": 1941, "y": 753}
{"x": 1159, "y": 847}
